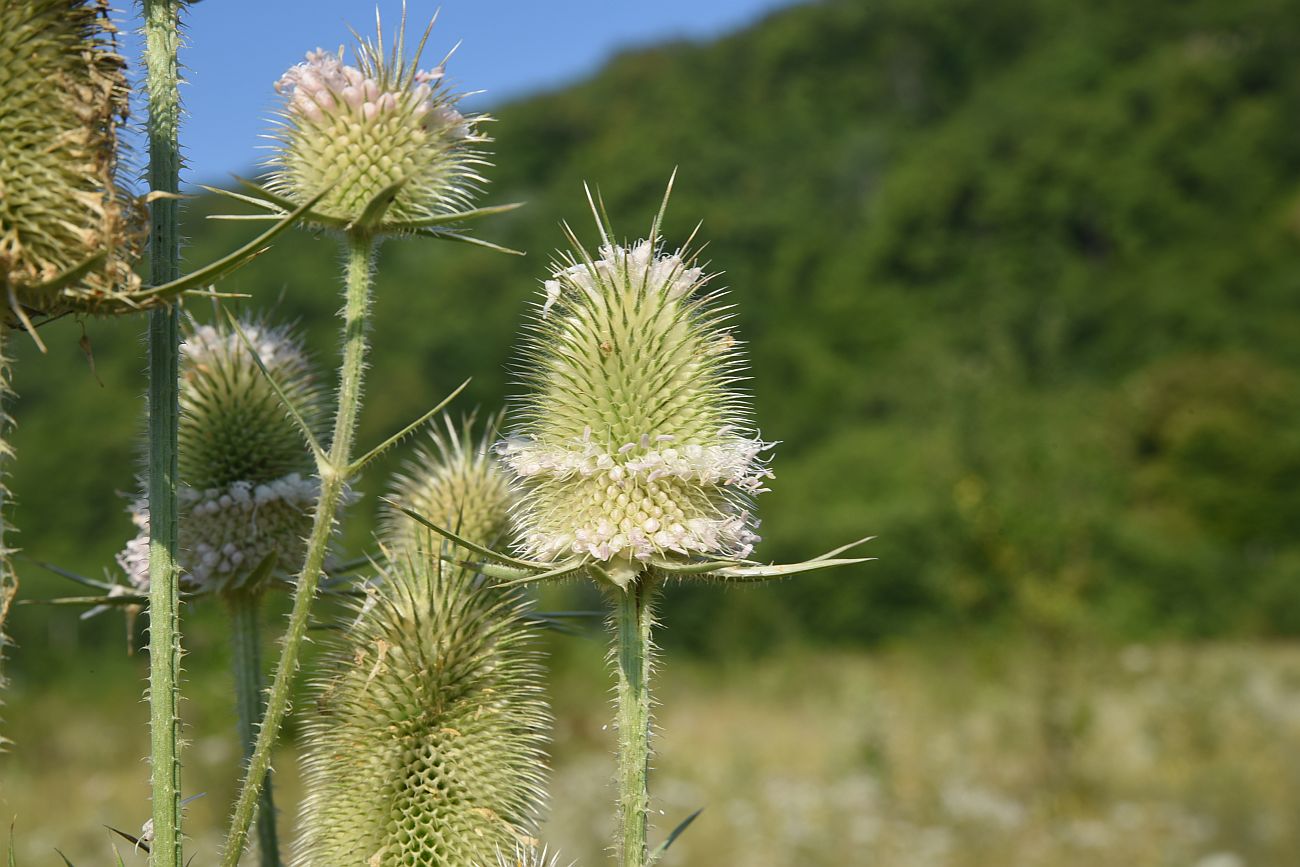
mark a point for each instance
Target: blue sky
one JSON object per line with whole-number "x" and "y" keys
{"x": 238, "y": 48}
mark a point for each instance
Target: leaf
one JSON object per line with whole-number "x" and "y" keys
{"x": 767, "y": 573}
{"x": 457, "y": 217}
{"x": 90, "y": 601}
{"x": 231, "y": 262}
{"x": 134, "y": 841}
{"x": 840, "y": 550}
{"x": 71, "y": 576}
{"x": 357, "y": 465}
{"x": 564, "y": 570}
{"x": 677, "y": 832}
{"x": 468, "y": 239}
{"x": 465, "y": 543}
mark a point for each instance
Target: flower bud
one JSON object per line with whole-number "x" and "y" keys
{"x": 455, "y": 482}
{"x": 359, "y": 130}
{"x": 63, "y": 94}
{"x": 248, "y": 484}
{"x": 634, "y": 441}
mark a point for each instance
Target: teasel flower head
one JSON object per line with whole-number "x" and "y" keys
{"x": 69, "y": 235}
{"x": 248, "y": 484}
{"x": 634, "y": 441}
{"x": 426, "y": 745}
{"x": 456, "y": 481}
{"x": 378, "y": 125}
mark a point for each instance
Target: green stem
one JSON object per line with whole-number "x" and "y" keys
{"x": 633, "y": 653}
{"x": 162, "y": 39}
{"x": 246, "y": 652}
{"x": 360, "y": 259}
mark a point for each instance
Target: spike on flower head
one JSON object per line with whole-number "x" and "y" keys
{"x": 528, "y": 855}
{"x": 69, "y": 236}
{"x": 247, "y": 478}
{"x": 360, "y": 129}
{"x": 635, "y": 441}
{"x": 455, "y": 481}
{"x": 427, "y": 743}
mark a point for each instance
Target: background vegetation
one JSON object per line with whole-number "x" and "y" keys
{"x": 1020, "y": 281}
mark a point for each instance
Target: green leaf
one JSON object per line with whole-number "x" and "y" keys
{"x": 231, "y": 262}
{"x": 71, "y": 576}
{"x": 90, "y": 601}
{"x": 467, "y": 239}
{"x": 466, "y": 543}
{"x": 743, "y": 574}
{"x": 457, "y": 217}
{"x": 357, "y": 465}
{"x": 677, "y": 832}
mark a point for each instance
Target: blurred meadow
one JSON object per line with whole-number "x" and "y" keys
{"x": 1020, "y": 283}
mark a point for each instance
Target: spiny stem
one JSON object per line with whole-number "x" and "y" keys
{"x": 8, "y": 579}
{"x": 162, "y": 39}
{"x": 360, "y": 257}
{"x": 633, "y": 652}
{"x": 245, "y": 644}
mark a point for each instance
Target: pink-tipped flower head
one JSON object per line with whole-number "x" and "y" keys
{"x": 360, "y": 129}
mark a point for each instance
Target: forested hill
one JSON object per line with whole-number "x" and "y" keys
{"x": 1020, "y": 280}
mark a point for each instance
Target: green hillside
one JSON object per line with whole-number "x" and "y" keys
{"x": 1020, "y": 280}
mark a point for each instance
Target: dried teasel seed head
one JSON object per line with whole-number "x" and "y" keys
{"x": 634, "y": 440}
{"x": 248, "y": 484}
{"x": 360, "y": 129}
{"x": 69, "y": 236}
{"x": 426, "y": 745}
{"x": 455, "y": 481}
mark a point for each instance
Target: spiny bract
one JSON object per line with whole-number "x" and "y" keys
{"x": 359, "y": 130}
{"x": 63, "y": 93}
{"x": 635, "y": 442}
{"x": 248, "y": 484}
{"x": 426, "y": 747}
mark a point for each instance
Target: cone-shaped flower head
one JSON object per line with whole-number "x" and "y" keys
{"x": 361, "y": 129}
{"x": 426, "y": 747}
{"x": 455, "y": 482}
{"x": 247, "y": 477}
{"x": 634, "y": 441}
{"x": 68, "y": 235}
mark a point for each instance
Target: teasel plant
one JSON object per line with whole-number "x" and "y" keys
{"x": 426, "y": 744}
{"x": 365, "y": 151}
{"x": 71, "y": 235}
{"x": 636, "y": 462}
{"x": 247, "y": 488}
